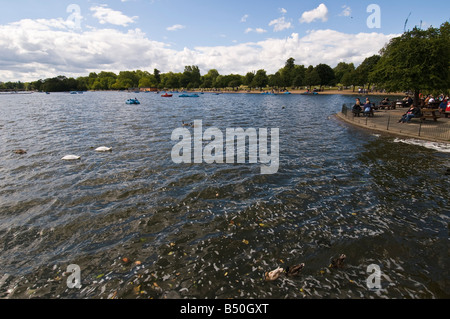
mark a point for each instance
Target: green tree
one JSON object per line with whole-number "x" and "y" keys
{"x": 418, "y": 60}
{"x": 191, "y": 77}
{"x": 287, "y": 73}
{"x": 260, "y": 80}
{"x": 349, "y": 79}
{"x": 276, "y": 80}
{"x": 311, "y": 77}
{"x": 326, "y": 75}
{"x": 148, "y": 81}
{"x": 364, "y": 69}
{"x": 126, "y": 80}
{"x": 248, "y": 78}
{"x": 171, "y": 80}
{"x": 299, "y": 75}
{"x": 209, "y": 78}
{"x": 342, "y": 69}
{"x": 157, "y": 76}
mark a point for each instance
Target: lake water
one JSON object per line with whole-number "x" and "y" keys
{"x": 140, "y": 226}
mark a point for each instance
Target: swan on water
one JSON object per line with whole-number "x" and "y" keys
{"x": 71, "y": 158}
{"x": 104, "y": 149}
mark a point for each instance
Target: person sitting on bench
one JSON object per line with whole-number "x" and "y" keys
{"x": 443, "y": 106}
{"x": 356, "y": 110}
{"x": 368, "y": 110}
{"x": 412, "y": 112}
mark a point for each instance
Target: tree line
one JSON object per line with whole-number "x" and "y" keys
{"x": 417, "y": 60}
{"x": 289, "y": 76}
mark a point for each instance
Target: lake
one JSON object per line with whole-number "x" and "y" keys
{"x": 139, "y": 225}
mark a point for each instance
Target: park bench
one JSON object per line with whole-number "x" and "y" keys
{"x": 429, "y": 114}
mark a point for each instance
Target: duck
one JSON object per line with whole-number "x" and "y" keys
{"x": 20, "y": 152}
{"x": 187, "y": 124}
{"x": 274, "y": 274}
{"x": 294, "y": 270}
{"x": 338, "y": 262}
{"x": 103, "y": 149}
{"x": 71, "y": 158}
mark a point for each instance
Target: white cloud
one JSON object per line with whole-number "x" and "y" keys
{"x": 280, "y": 24}
{"x": 39, "y": 49}
{"x": 346, "y": 12}
{"x": 283, "y": 10}
{"x": 244, "y": 18}
{"x": 107, "y": 15}
{"x": 319, "y": 13}
{"x": 257, "y": 30}
{"x": 176, "y": 27}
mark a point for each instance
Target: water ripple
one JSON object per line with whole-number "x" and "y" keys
{"x": 213, "y": 230}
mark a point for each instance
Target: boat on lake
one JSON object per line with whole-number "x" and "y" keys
{"x": 166, "y": 95}
{"x": 133, "y": 101}
{"x": 189, "y": 95}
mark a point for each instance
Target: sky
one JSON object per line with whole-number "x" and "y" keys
{"x": 40, "y": 39}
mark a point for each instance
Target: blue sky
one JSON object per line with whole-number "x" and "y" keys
{"x": 39, "y": 39}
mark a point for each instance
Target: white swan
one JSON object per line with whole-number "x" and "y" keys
{"x": 104, "y": 149}
{"x": 71, "y": 158}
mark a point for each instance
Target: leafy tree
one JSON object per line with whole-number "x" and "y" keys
{"x": 349, "y": 79}
{"x": 260, "y": 80}
{"x": 276, "y": 80}
{"x": 342, "y": 69}
{"x": 209, "y": 78}
{"x": 364, "y": 69}
{"x": 299, "y": 75}
{"x": 148, "y": 81}
{"x": 311, "y": 77}
{"x": 157, "y": 75}
{"x": 418, "y": 60}
{"x": 248, "y": 79}
{"x": 233, "y": 80}
{"x": 37, "y": 85}
{"x": 191, "y": 77}
{"x": 326, "y": 74}
{"x": 127, "y": 79}
{"x": 287, "y": 74}
{"x": 171, "y": 80}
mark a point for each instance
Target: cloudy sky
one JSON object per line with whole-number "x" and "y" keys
{"x": 46, "y": 38}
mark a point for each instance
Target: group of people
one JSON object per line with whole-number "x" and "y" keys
{"x": 366, "y": 108}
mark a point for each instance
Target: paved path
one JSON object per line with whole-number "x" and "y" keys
{"x": 387, "y": 121}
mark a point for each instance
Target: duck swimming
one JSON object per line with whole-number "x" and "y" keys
{"x": 294, "y": 270}
{"x": 274, "y": 274}
{"x": 338, "y": 262}
{"x": 20, "y": 152}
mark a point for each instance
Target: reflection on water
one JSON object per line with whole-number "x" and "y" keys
{"x": 140, "y": 226}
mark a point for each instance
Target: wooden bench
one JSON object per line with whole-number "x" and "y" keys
{"x": 389, "y": 106}
{"x": 429, "y": 114}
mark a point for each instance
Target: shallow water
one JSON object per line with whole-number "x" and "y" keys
{"x": 213, "y": 230}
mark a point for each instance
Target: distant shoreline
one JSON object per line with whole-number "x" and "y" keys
{"x": 294, "y": 92}
{"x": 326, "y": 92}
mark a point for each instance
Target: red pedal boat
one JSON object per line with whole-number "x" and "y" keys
{"x": 166, "y": 95}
